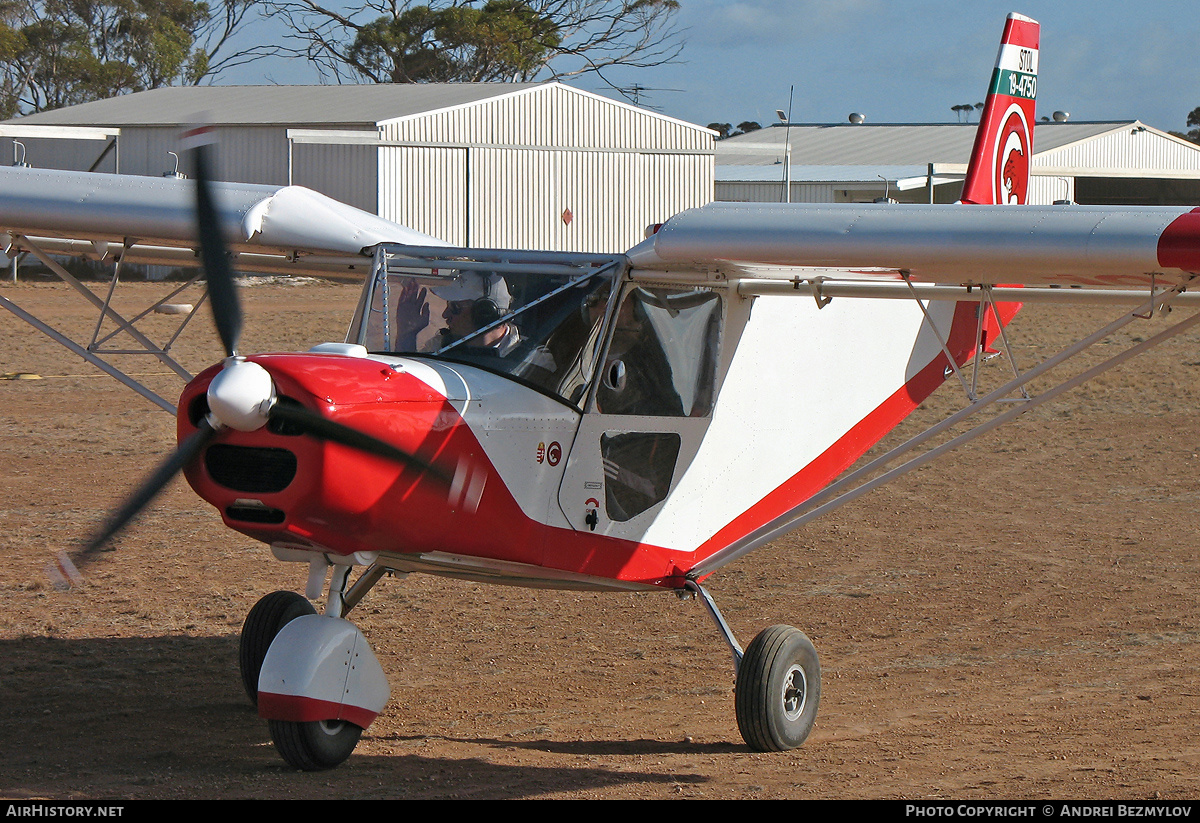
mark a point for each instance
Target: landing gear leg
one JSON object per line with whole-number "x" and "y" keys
{"x": 778, "y": 683}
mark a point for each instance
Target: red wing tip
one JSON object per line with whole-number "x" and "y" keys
{"x": 63, "y": 572}
{"x": 1179, "y": 243}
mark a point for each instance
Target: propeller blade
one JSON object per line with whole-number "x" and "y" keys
{"x": 188, "y": 451}
{"x": 325, "y": 429}
{"x": 222, "y": 290}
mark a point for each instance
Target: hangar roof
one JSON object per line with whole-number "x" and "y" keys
{"x": 363, "y": 105}
{"x": 865, "y": 151}
{"x": 885, "y": 143}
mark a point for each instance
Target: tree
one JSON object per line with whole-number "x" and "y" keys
{"x": 722, "y": 129}
{"x": 1193, "y": 120}
{"x": 398, "y": 41}
{"x": 504, "y": 39}
{"x": 56, "y": 53}
{"x": 965, "y": 109}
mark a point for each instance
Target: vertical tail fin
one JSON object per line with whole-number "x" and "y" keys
{"x": 1000, "y": 160}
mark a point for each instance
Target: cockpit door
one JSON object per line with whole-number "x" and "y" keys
{"x": 649, "y": 409}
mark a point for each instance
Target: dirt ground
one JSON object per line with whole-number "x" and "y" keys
{"x": 1017, "y": 620}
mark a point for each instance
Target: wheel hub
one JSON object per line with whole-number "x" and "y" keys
{"x": 795, "y": 689}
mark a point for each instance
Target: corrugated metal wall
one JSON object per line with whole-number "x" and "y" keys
{"x": 761, "y": 192}
{"x": 425, "y": 188}
{"x": 58, "y": 153}
{"x": 347, "y": 173}
{"x": 244, "y": 154}
{"x": 1150, "y": 154}
{"x": 546, "y": 168}
{"x": 1045, "y": 190}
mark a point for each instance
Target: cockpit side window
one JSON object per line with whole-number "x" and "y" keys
{"x": 662, "y": 359}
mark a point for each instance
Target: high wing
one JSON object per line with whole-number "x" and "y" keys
{"x": 124, "y": 219}
{"x": 1062, "y": 245}
{"x": 283, "y": 229}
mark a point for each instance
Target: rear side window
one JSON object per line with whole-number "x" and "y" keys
{"x": 662, "y": 358}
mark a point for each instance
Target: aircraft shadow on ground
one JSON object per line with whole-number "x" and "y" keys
{"x": 140, "y": 716}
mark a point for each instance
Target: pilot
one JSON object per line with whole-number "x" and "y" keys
{"x": 474, "y": 301}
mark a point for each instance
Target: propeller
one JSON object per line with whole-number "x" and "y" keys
{"x": 241, "y": 396}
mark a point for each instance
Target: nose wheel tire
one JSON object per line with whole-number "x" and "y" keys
{"x": 778, "y": 689}
{"x": 269, "y": 615}
{"x": 316, "y": 745}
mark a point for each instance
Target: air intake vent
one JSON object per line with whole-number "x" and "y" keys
{"x": 255, "y": 514}
{"x": 250, "y": 469}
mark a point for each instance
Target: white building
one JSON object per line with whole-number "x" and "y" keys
{"x": 541, "y": 166}
{"x": 1122, "y": 162}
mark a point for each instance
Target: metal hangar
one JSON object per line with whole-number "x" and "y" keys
{"x": 535, "y": 165}
{"x": 1103, "y": 163}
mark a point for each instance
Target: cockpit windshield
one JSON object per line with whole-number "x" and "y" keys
{"x": 539, "y": 320}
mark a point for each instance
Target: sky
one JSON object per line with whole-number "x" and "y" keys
{"x": 905, "y": 62}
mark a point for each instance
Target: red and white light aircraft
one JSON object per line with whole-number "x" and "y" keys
{"x": 604, "y": 422}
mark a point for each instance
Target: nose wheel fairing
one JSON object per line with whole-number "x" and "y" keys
{"x": 321, "y": 668}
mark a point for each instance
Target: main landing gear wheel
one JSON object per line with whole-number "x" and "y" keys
{"x": 269, "y": 615}
{"x": 315, "y": 745}
{"x": 778, "y": 689}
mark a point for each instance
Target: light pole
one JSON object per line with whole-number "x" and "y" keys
{"x": 787, "y": 147}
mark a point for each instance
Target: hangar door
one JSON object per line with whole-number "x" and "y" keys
{"x": 556, "y": 200}
{"x": 425, "y": 188}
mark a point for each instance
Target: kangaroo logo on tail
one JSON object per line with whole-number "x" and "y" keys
{"x": 1011, "y": 162}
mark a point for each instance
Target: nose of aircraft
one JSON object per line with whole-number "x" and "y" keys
{"x": 285, "y": 468}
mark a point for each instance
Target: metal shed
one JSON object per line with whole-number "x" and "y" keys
{"x": 541, "y": 166}
{"x": 1123, "y": 162}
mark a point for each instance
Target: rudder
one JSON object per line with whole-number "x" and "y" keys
{"x": 998, "y": 172}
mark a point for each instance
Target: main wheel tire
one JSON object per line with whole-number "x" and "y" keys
{"x": 316, "y": 745}
{"x": 269, "y": 615}
{"x": 778, "y": 689}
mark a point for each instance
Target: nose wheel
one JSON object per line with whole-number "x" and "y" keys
{"x": 269, "y": 615}
{"x": 314, "y": 745}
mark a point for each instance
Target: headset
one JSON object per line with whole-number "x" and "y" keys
{"x": 484, "y": 312}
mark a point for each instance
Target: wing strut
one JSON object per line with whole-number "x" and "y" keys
{"x": 103, "y": 306}
{"x": 92, "y": 350}
{"x": 845, "y": 490}
{"x": 72, "y": 346}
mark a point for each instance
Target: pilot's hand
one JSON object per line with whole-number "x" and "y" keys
{"x": 412, "y": 311}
